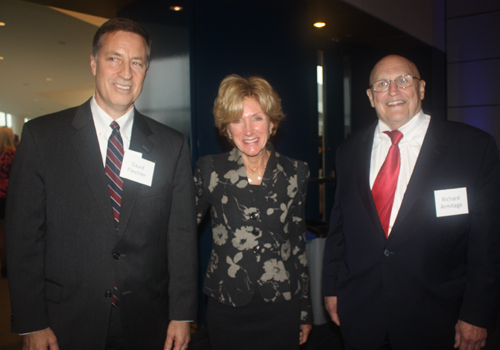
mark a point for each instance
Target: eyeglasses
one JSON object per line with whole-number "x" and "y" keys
{"x": 402, "y": 82}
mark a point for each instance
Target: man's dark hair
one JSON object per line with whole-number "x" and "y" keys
{"x": 120, "y": 24}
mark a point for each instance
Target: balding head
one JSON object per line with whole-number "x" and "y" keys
{"x": 396, "y": 106}
{"x": 394, "y": 60}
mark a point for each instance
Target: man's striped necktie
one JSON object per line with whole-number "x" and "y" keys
{"x": 114, "y": 158}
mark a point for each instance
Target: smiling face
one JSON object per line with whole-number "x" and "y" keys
{"x": 396, "y": 106}
{"x": 251, "y": 132}
{"x": 119, "y": 69}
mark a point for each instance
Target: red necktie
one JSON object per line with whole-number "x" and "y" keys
{"x": 385, "y": 184}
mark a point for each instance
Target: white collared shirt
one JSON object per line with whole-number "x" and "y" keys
{"x": 102, "y": 122}
{"x": 413, "y": 136}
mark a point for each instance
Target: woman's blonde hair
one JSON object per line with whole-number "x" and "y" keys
{"x": 6, "y": 138}
{"x": 228, "y": 105}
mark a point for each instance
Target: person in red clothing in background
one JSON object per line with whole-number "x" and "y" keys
{"x": 7, "y": 151}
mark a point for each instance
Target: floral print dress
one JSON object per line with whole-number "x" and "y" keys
{"x": 258, "y": 231}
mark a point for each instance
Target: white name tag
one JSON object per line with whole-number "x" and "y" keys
{"x": 137, "y": 169}
{"x": 451, "y": 202}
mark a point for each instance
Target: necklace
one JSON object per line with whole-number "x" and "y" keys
{"x": 259, "y": 174}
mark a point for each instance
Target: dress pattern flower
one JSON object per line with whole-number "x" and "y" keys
{"x": 258, "y": 231}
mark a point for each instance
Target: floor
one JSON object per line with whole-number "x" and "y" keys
{"x": 8, "y": 340}
{"x": 324, "y": 337}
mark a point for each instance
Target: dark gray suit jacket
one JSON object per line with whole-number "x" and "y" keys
{"x": 64, "y": 254}
{"x": 431, "y": 271}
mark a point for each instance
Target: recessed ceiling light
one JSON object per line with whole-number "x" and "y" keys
{"x": 176, "y": 8}
{"x": 1, "y": 58}
{"x": 319, "y": 24}
{"x": 49, "y": 79}
{"x": 2, "y": 24}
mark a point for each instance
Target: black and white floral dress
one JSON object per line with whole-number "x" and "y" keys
{"x": 258, "y": 231}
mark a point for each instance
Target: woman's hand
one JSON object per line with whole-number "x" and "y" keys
{"x": 305, "y": 329}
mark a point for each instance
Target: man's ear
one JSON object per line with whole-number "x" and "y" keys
{"x": 421, "y": 88}
{"x": 93, "y": 65}
{"x": 369, "y": 92}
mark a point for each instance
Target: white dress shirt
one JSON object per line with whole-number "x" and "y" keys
{"x": 102, "y": 122}
{"x": 413, "y": 136}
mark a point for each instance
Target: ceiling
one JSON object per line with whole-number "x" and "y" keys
{"x": 46, "y": 53}
{"x": 45, "y": 64}
{"x": 349, "y": 25}
{"x": 46, "y": 50}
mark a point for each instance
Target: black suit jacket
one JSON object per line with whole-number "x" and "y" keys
{"x": 258, "y": 231}
{"x": 64, "y": 253}
{"x": 431, "y": 271}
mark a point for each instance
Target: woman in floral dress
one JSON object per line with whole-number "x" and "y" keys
{"x": 257, "y": 279}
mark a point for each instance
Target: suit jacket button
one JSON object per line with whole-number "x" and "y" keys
{"x": 387, "y": 252}
{"x": 256, "y": 249}
{"x": 108, "y": 294}
{"x": 255, "y": 232}
{"x": 117, "y": 256}
{"x": 254, "y": 216}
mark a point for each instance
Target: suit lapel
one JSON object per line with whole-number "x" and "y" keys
{"x": 363, "y": 160}
{"x": 87, "y": 151}
{"x": 141, "y": 143}
{"x": 428, "y": 159}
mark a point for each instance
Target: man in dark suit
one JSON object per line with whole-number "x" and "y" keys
{"x": 412, "y": 259}
{"x": 101, "y": 230}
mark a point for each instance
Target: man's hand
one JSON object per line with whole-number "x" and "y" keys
{"x": 178, "y": 335}
{"x": 305, "y": 329}
{"x": 331, "y": 307}
{"x": 469, "y": 337}
{"x": 40, "y": 340}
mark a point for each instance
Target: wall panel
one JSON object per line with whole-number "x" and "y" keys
{"x": 474, "y": 83}
{"x": 479, "y": 117}
{"x": 455, "y": 8}
{"x": 470, "y": 38}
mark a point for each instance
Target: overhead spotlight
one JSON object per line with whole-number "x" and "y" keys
{"x": 319, "y": 24}
{"x": 2, "y": 24}
{"x": 176, "y": 8}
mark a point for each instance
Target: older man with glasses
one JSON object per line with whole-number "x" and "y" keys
{"x": 412, "y": 259}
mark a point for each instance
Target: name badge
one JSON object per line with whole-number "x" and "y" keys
{"x": 451, "y": 202}
{"x": 137, "y": 169}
